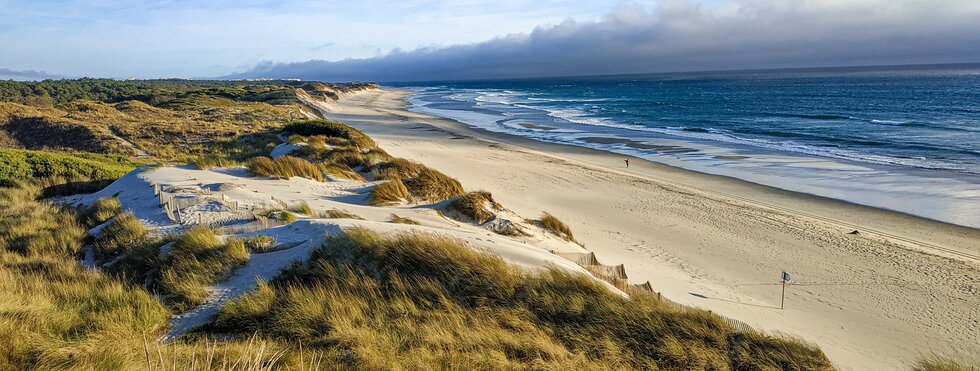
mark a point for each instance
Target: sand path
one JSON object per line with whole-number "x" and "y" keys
{"x": 902, "y": 288}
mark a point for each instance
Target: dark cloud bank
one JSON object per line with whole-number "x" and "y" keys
{"x": 687, "y": 36}
{"x": 6, "y": 73}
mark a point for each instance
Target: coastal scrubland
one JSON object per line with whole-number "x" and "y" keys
{"x": 91, "y": 288}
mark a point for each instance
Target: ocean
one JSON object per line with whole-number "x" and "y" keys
{"x": 905, "y": 139}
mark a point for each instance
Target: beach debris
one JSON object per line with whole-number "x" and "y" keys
{"x": 854, "y": 232}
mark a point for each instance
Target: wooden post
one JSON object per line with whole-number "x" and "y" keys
{"x": 783, "y": 298}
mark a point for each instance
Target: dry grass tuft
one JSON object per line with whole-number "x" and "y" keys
{"x": 259, "y": 244}
{"x": 339, "y": 214}
{"x": 341, "y": 171}
{"x": 284, "y": 167}
{"x": 937, "y": 363}
{"x": 124, "y": 232}
{"x": 197, "y": 259}
{"x": 388, "y": 193}
{"x": 302, "y": 208}
{"x": 101, "y": 211}
{"x": 213, "y": 161}
{"x": 477, "y": 206}
{"x": 556, "y": 226}
{"x": 422, "y": 182}
{"x": 402, "y": 220}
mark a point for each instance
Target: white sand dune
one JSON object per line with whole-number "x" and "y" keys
{"x": 234, "y": 186}
{"x": 902, "y": 288}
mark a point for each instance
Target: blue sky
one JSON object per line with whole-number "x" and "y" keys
{"x": 399, "y": 40}
{"x": 206, "y": 38}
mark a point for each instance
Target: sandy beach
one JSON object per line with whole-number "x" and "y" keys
{"x": 901, "y": 288}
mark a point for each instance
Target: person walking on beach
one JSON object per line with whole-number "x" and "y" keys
{"x": 627, "y": 162}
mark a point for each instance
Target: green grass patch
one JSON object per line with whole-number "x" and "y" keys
{"x": 23, "y": 165}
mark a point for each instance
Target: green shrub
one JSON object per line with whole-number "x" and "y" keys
{"x": 390, "y": 192}
{"x": 22, "y": 165}
{"x": 478, "y": 206}
{"x": 330, "y": 129}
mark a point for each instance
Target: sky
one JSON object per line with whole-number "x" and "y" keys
{"x": 472, "y": 39}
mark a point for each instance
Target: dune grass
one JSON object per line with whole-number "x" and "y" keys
{"x": 938, "y": 363}
{"x": 422, "y": 182}
{"x": 302, "y": 208}
{"x": 478, "y": 206}
{"x": 197, "y": 259}
{"x": 213, "y": 161}
{"x": 556, "y": 226}
{"x": 341, "y": 171}
{"x": 390, "y": 192}
{"x": 101, "y": 211}
{"x": 418, "y": 301}
{"x": 120, "y": 234}
{"x": 395, "y": 218}
{"x": 284, "y": 167}
{"x": 280, "y": 215}
{"x": 338, "y": 214}
{"x": 259, "y": 244}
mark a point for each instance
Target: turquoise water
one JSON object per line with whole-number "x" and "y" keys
{"x": 905, "y": 139}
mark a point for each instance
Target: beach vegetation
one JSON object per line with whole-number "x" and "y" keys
{"x": 259, "y": 244}
{"x": 418, "y": 301}
{"x": 339, "y": 214}
{"x": 556, "y": 226}
{"x": 284, "y": 167}
{"x": 477, "y": 206}
{"x": 341, "y": 171}
{"x": 26, "y": 166}
{"x": 390, "y": 192}
{"x": 938, "y": 363}
{"x": 302, "y": 208}
{"x": 395, "y": 218}
{"x": 213, "y": 161}
{"x": 197, "y": 259}
{"x": 123, "y": 232}
{"x": 422, "y": 182}
{"x": 101, "y": 211}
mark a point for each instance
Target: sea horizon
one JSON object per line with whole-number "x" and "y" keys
{"x": 901, "y": 138}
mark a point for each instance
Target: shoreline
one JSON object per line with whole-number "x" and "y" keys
{"x": 719, "y": 243}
